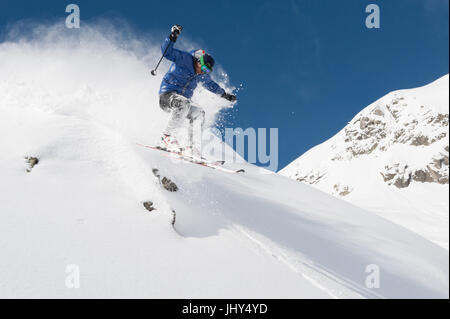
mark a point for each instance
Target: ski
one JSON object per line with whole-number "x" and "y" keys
{"x": 158, "y": 148}
{"x": 178, "y": 155}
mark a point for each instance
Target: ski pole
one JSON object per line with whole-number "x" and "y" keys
{"x": 153, "y": 72}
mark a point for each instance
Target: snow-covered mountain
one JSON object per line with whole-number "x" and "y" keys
{"x": 85, "y": 203}
{"x": 391, "y": 158}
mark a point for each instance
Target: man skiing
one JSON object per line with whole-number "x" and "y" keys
{"x": 177, "y": 88}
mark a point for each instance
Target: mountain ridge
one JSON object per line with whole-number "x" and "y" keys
{"x": 399, "y": 141}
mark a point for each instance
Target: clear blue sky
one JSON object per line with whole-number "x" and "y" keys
{"x": 307, "y": 66}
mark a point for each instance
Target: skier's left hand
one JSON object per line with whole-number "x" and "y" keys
{"x": 229, "y": 97}
{"x": 175, "y": 32}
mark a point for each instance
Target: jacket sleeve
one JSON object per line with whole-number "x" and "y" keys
{"x": 172, "y": 54}
{"x": 212, "y": 86}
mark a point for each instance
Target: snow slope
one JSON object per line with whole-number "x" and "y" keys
{"x": 251, "y": 235}
{"x": 392, "y": 159}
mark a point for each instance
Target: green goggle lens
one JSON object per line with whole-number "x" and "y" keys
{"x": 203, "y": 65}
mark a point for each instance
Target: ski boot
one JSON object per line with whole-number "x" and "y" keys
{"x": 170, "y": 143}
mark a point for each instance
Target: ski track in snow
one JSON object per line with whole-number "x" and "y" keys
{"x": 323, "y": 281}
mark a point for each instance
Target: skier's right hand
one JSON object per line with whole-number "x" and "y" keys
{"x": 229, "y": 97}
{"x": 175, "y": 32}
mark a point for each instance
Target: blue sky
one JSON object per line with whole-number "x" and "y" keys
{"x": 307, "y": 67}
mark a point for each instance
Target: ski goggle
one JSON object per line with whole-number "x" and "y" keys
{"x": 203, "y": 66}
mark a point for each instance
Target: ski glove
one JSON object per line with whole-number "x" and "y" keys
{"x": 176, "y": 29}
{"x": 229, "y": 97}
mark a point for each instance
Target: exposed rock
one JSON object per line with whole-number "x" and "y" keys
{"x": 32, "y": 161}
{"x": 400, "y": 175}
{"x": 441, "y": 119}
{"x": 423, "y": 176}
{"x": 342, "y": 190}
{"x": 378, "y": 112}
{"x": 165, "y": 182}
{"x": 399, "y": 134}
{"x": 376, "y": 130}
{"x": 388, "y": 177}
{"x": 403, "y": 182}
{"x": 174, "y": 217}
{"x": 438, "y": 137}
{"x": 363, "y": 122}
{"x": 312, "y": 177}
{"x": 420, "y": 140}
{"x": 397, "y": 174}
{"x": 434, "y": 176}
{"x": 337, "y": 157}
{"x": 444, "y": 160}
{"x": 393, "y": 112}
{"x": 149, "y": 206}
{"x": 356, "y": 152}
{"x": 169, "y": 185}
{"x": 439, "y": 162}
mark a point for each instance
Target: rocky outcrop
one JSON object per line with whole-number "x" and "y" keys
{"x": 386, "y": 125}
{"x": 148, "y": 206}
{"x": 401, "y": 175}
{"x": 312, "y": 177}
{"x": 397, "y": 119}
{"x": 165, "y": 182}
{"x": 401, "y": 138}
{"x": 169, "y": 185}
{"x": 32, "y": 161}
{"x": 342, "y": 190}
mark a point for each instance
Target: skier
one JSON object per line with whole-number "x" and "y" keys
{"x": 177, "y": 87}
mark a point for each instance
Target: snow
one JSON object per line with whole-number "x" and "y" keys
{"x": 421, "y": 207}
{"x": 81, "y": 109}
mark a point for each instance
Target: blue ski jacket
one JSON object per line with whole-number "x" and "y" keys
{"x": 181, "y": 77}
